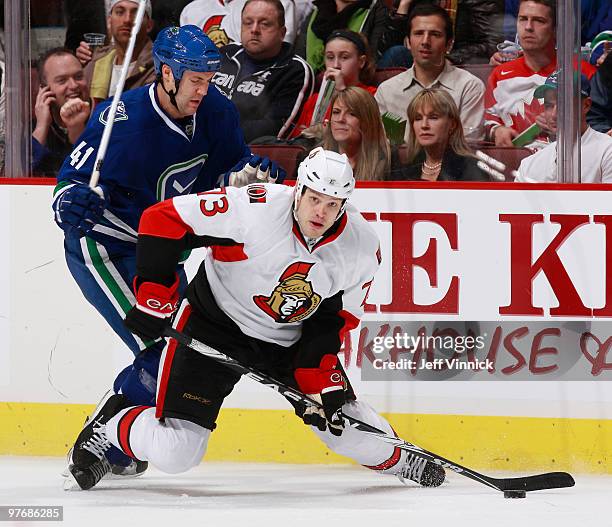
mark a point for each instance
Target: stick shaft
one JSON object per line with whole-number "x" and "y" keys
{"x": 541, "y": 481}
{"x": 108, "y": 127}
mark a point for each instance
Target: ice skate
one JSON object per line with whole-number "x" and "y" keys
{"x": 89, "y": 464}
{"x": 133, "y": 469}
{"x": 421, "y": 471}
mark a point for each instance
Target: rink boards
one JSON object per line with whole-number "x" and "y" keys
{"x": 448, "y": 254}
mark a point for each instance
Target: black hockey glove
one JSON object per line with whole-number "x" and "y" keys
{"x": 155, "y": 305}
{"x": 324, "y": 384}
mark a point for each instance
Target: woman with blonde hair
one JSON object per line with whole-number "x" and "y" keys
{"x": 437, "y": 149}
{"x": 355, "y": 129}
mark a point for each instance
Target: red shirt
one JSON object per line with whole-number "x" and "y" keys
{"x": 509, "y": 97}
{"x": 305, "y": 117}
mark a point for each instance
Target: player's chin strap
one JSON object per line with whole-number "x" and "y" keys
{"x": 171, "y": 94}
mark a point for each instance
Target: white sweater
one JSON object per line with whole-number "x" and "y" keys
{"x": 595, "y": 161}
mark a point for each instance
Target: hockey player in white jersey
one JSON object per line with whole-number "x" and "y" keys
{"x": 286, "y": 275}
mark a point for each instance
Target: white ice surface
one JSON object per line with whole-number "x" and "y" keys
{"x": 254, "y": 495}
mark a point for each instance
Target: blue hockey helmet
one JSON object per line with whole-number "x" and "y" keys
{"x": 185, "y": 48}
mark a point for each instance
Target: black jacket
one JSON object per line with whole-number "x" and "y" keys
{"x": 600, "y": 114}
{"x": 478, "y": 30}
{"x": 48, "y": 159}
{"x": 270, "y": 99}
{"x": 454, "y": 168}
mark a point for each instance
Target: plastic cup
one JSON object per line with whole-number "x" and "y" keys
{"x": 94, "y": 39}
{"x": 508, "y": 50}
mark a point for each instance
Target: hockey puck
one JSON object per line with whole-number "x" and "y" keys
{"x": 515, "y": 494}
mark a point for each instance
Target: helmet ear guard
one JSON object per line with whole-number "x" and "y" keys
{"x": 326, "y": 172}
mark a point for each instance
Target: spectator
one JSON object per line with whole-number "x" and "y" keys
{"x": 347, "y": 63}
{"x": 595, "y": 147}
{"x": 103, "y": 66}
{"x": 593, "y": 15}
{"x": 601, "y": 45}
{"x": 62, "y": 110}
{"x": 437, "y": 150}
{"x": 264, "y": 79}
{"x": 600, "y": 115}
{"x": 477, "y": 25}
{"x": 368, "y": 17}
{"x": 221, "y": 19}
{"x": 510, "y": 105}
{"x": 355, "y": 129}
{"x": 430, "y": 37}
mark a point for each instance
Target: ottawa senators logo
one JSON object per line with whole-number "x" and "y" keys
{"x": 213, "y": 30}
{"x": 293, "y": 298}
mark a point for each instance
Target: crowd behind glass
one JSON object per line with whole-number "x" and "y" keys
{"x": 419, "y": 90}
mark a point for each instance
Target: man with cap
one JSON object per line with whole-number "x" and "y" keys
{"x": 103, "y": 65}
{"x": 595, "y": 147}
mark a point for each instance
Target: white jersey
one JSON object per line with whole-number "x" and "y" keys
{"x": 259, "y": 267}
{"x": 595, "y": 161}
{"x": 221, "y": 19}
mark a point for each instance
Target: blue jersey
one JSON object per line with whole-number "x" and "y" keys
{"x": 151, "y": 158}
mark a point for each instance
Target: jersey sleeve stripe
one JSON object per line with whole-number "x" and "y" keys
{"x": 163, "y": 220}
{"x": 350, "y": 323}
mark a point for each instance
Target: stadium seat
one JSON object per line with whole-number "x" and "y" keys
{"x": 382, "y": 74}
{"x": 287, "y": 156}
{"x": 482, "y": 71}
{"x": 511, "y": 157}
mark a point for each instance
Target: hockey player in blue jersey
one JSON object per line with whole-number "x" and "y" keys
{"x": 175, "y": 136}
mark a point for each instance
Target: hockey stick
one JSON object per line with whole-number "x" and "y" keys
{"x": 551, "y": 480}
{"x": 108, "y": 127}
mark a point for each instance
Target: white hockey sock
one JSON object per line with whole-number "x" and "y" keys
{"x": 173, "y": 446}
{"x": 365, "y": 449}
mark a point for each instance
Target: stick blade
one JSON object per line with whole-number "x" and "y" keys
{"x": 550, "y": 480}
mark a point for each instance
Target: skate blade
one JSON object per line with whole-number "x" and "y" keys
{"x": 66, "y": 474}
{"x": 70, "y": 484}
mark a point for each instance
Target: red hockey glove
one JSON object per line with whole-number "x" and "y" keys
{"x": 324, "y": 384}
{"x": 155, "y": 305}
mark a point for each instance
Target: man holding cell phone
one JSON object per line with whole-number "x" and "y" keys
{"x": 61, "y": 110}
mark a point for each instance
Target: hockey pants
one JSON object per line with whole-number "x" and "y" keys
{"x": 176, "y": 445}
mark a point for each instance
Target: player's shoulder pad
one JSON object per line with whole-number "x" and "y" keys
{"x": 366, "y": 239}
{"x": 132, "y": 111}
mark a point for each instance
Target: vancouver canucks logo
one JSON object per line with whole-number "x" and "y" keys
{"x": 121, "y": 114}
{"x": 179, "y": 178}
{"x": 293, "y": 298}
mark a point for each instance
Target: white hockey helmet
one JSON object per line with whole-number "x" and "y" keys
{"x": 326, "y": 172}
